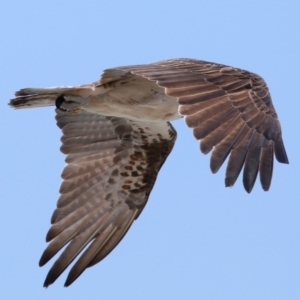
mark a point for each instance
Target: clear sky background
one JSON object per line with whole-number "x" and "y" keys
{"x": 195, "y": 239}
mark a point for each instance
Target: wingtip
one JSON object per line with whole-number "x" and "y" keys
{"x": 229, "y": 182}
{"x": 249, "y": 182}
{"x": 42, "y": 261}
{"x": 280, "y": 153}
{"x": 46, "y": 283}
{"x": 68, "y": 282}
{"x": 51, "y": 277}
{"x": 248, "y": 189}
{"x": 266, "y": 189}
{"x": 73, "y": 275}
{"x": 265, "y": 184}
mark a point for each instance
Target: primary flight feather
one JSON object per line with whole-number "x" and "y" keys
{"x": 117, "y": 135}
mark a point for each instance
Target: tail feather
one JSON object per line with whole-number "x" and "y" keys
{"x": 30, "y": 101}
{"x": 41, "y": 97}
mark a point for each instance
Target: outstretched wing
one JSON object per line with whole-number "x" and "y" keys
{"x": 230, "y": 110}
{"x": 112, "y": 164}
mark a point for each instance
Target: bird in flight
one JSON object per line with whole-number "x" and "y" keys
{"x": 116, "y": 133}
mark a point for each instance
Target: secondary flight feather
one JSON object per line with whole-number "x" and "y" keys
{"x": 117, "y": 135}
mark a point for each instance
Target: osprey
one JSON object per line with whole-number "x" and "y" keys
{"x": 117, "y": 135}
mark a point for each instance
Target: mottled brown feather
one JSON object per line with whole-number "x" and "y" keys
{"x": 86, "y": 195}
{"x": 114, "y": 154}
{"x": 245, "y": 91}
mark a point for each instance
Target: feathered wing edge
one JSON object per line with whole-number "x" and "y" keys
{"x": 230, "y": 110}
{"x": 110, "y": 172}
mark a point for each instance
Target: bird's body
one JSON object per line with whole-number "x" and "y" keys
{"x": 149, "y": 100}
{"x": 117, "y": 135}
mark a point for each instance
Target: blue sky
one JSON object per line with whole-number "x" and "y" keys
{"x": 195, "y": 239}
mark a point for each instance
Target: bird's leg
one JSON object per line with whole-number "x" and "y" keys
{"x": 69, "y": 102}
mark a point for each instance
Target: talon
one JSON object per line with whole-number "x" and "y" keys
{"x": 59, "y": 101}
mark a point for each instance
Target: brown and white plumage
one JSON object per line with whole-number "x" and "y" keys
{"x": 117, "y": 135}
